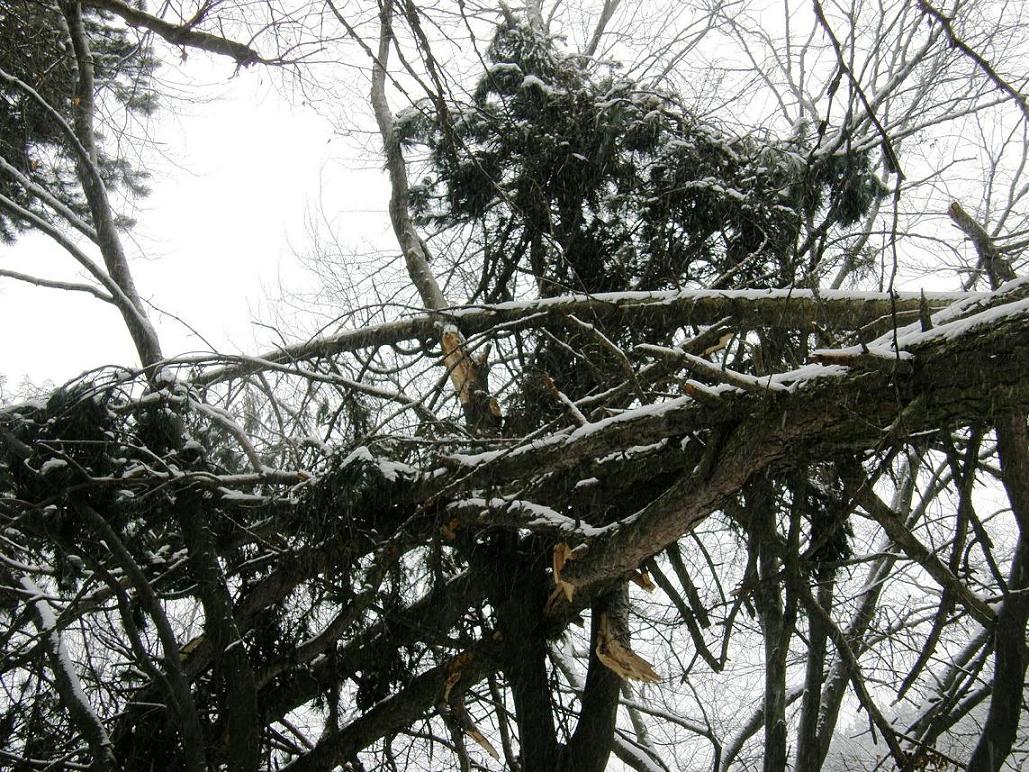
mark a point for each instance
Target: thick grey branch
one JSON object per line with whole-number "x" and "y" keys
{"x": 180, "y": 34}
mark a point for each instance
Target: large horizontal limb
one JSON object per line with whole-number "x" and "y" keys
{"x": 179, "y": 34}
{"x": 960, "y": 371}
{"x": 787, "y": 309}
{"x": 972, "y": 375}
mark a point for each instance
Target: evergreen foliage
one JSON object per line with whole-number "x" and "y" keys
{"x": 37, "y": 51}
{"x": 587, "y": 181}
{"x": 569, "y": 177}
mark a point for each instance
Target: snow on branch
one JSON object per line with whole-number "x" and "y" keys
{"x": 180, "y": 34}
{"x": 781, "y": 309}
{"x": 67, "y": 681}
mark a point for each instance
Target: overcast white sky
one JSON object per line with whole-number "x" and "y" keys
{"x": 232, "y": 185}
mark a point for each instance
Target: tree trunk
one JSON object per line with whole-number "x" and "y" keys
{"x": 1011, "y": 655}
{"x": 760, "y": 500}
{"x": 590, "y": 745}
{"x": 519, "y": 592}
{"x": 808, "y": 759}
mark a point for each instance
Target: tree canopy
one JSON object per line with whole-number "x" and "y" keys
{"x": 588, "y": 181}
{"x": 648, "y": 464}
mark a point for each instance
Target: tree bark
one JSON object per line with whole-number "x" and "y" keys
{"x": 761, "y": 513}
{"x": 808, "y": 757}
{"x": 519, "y": 588}
{"x": 67, "y": 683}
{"x": 467, "y": 375}
{"x": 136, "y": 320}
{"x": 1011, "y": 655}
{"x": 232, "y": 662}
{"x": 590, "y": 745}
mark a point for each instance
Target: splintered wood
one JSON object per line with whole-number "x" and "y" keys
{"x": 460, "y": 365}
{"x": 454, "y": 670}
{"x": 626, "y": 663}
{"x": 562, "y": 554}
{"x": 642, "y": 579}
{"x": 473, "y": 731}
{"x": 456, "y": 702}
{"x": 468, "y": 377}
